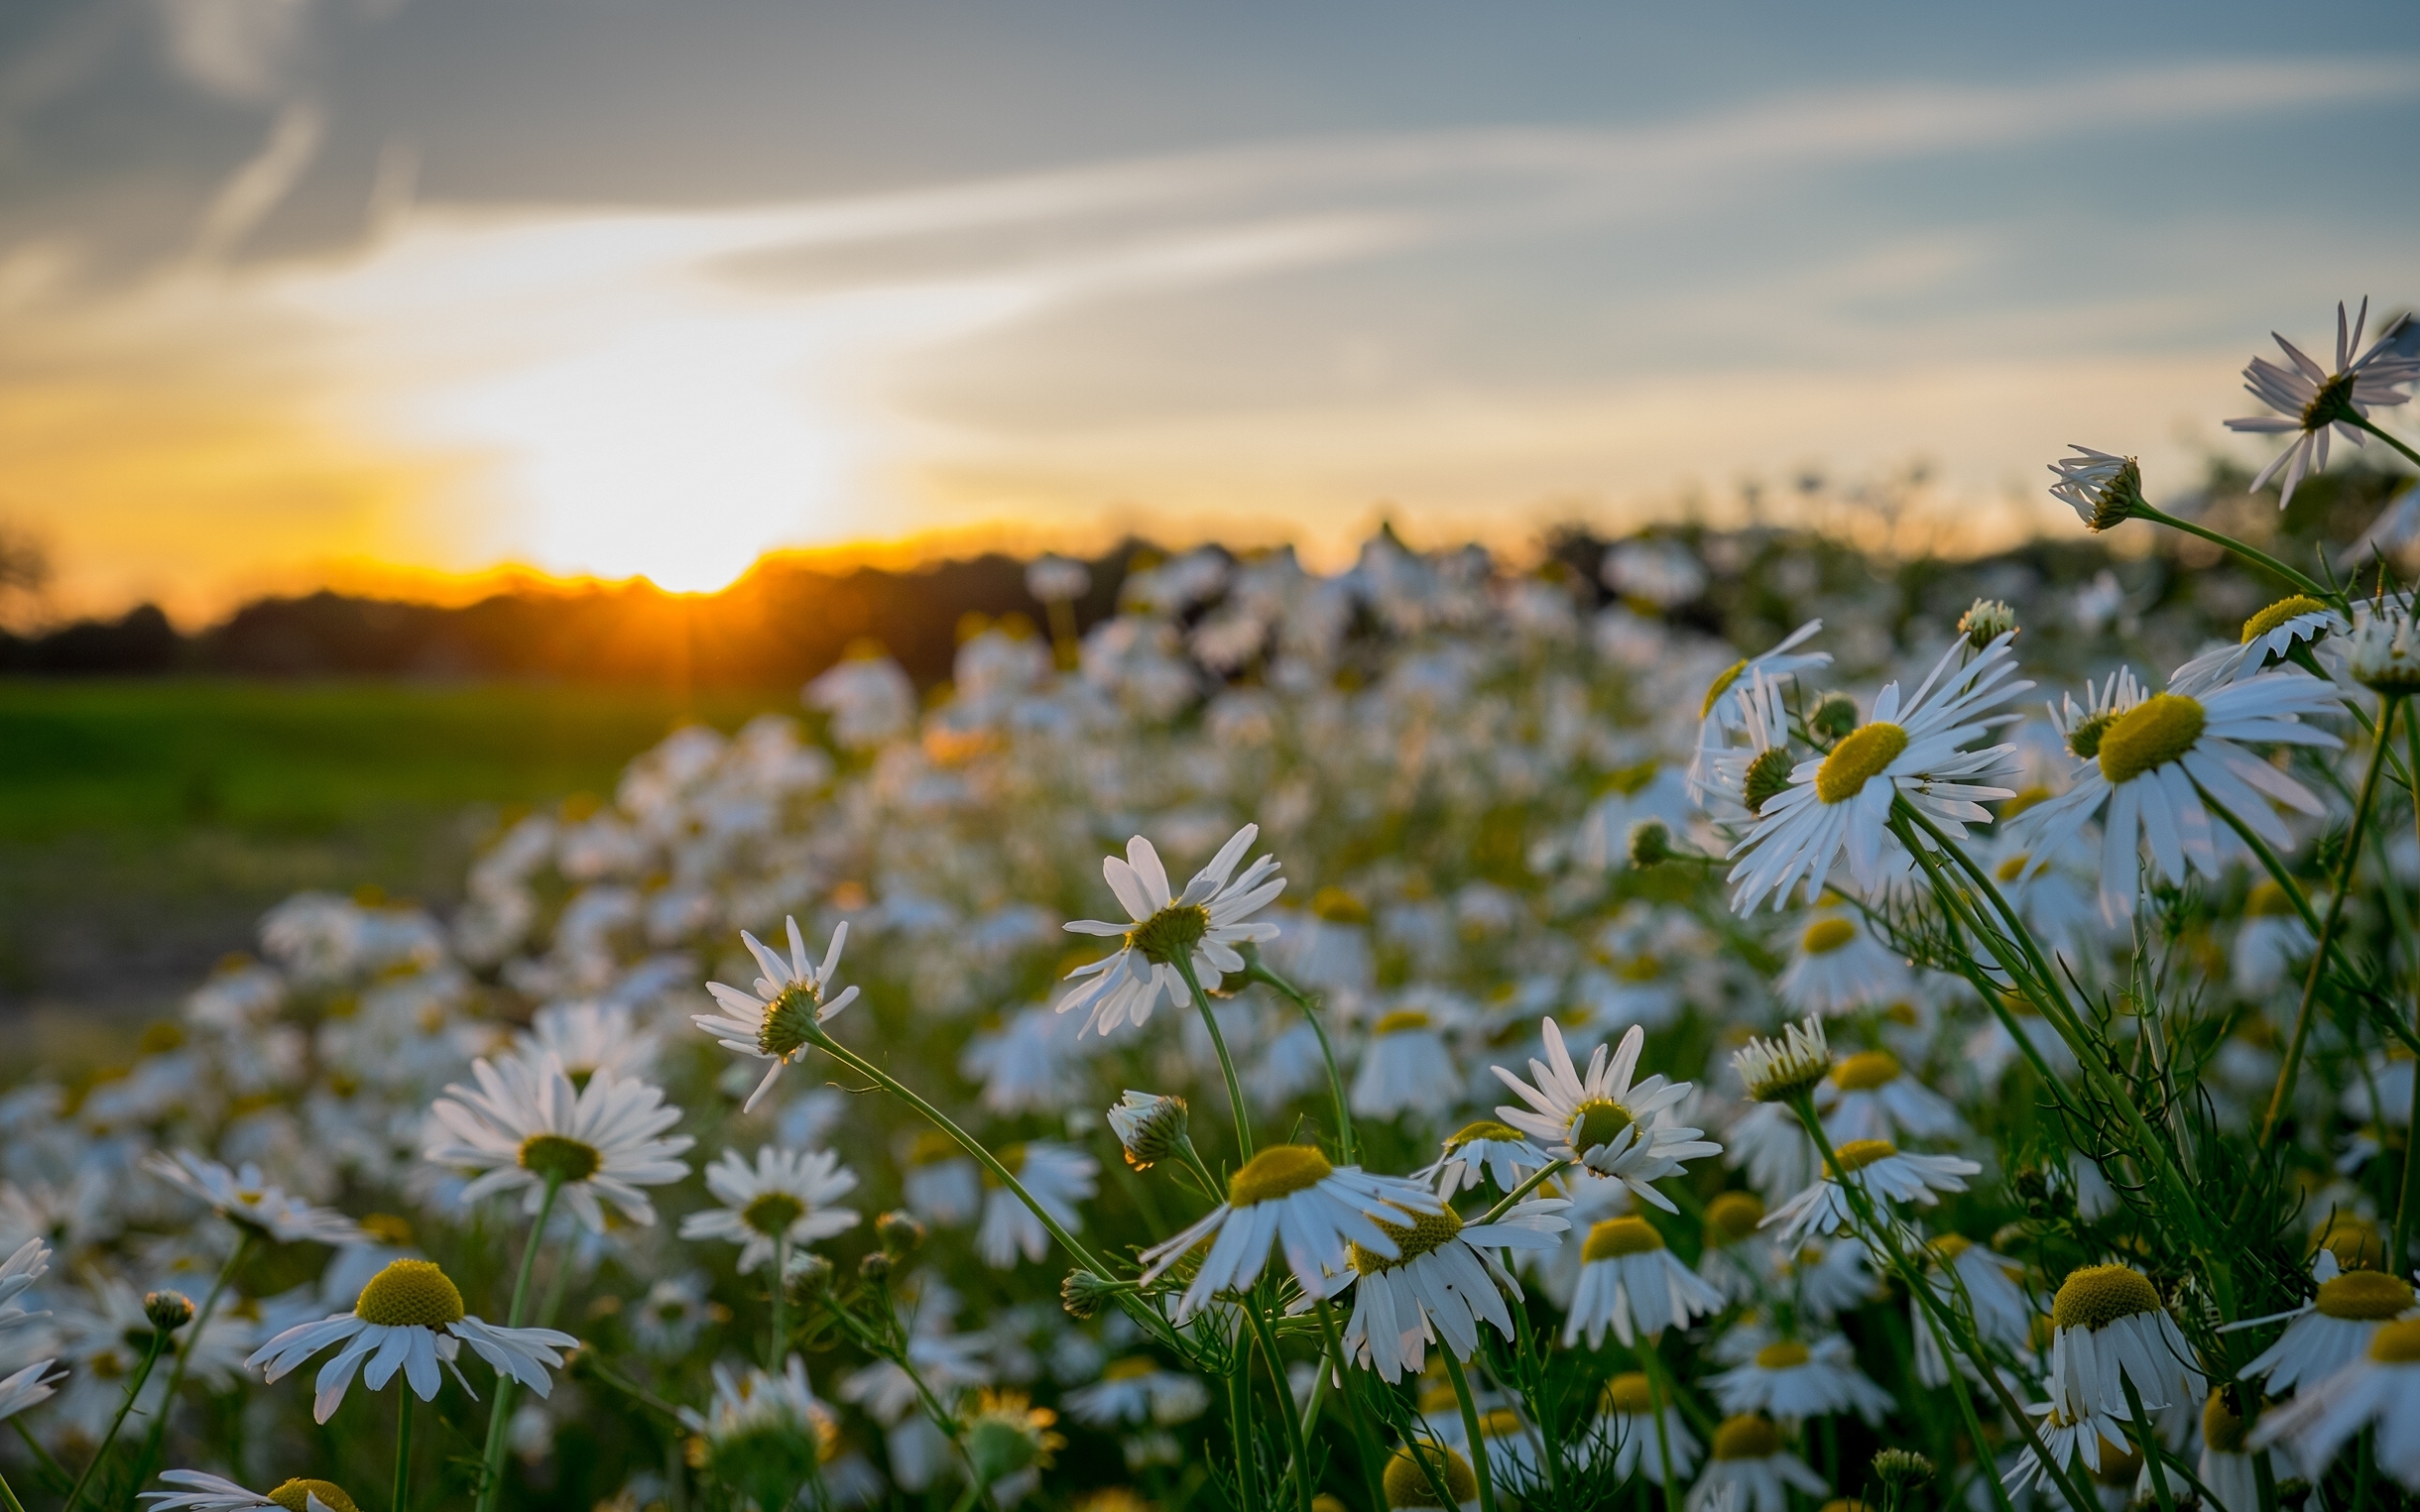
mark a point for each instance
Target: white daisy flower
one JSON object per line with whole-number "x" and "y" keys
{"x": 785, "y": 1194}
{"x": 942, "y": 1183}
{"x": 1884, "y": 1171}
{"x": 2311, "y": 401}
{"x": 2149, "y": 764}
{"x": 1750, "y": 774}
{"x": 1443, "y": 1282}
{"x": 1406, "y": 1068}
{"x": 1485, "y": 1150}
{"x": 2332, "y": 1329}
{"x": 1060, "y": 1175}
{"x": 1136, "y": 1391}
{"x": 668, "y": 1319}
{"x": 1203, "y": 926}
{"x": 2271, "y": 635}
{"x": 1869, "y": 1095}
{"x": 2108, "y": 1327}
{"x": 747, "y": 1405}
{"x": 246, "y": 1199}
{"x": 1030, "y": 1064}
{"x": 1511, "y": 1442}
{"x": 1602, "y": 1119}
{"x": 525, "y": 1125}
{"x": 2226, "y": 1467}
{"x": 197, "y": 1492}
{"x": 1725, "y": 710}
{"x": 2102, "y": 488}
{"x": 1149, "y": 1126}
{"x": 792, "y": 1001}
{"x": 1792, "y": 1380}
{"x": 2003, "y": 1315}
{"x": 589, "y": 1037}
{"x": 1626, "y": 1412}
{"x": 1751, "y": 1469}
{"x": 2381, "y": 1386}
{"x": 29, "y": 1263}
{"x": 1773, "y": 1147}
{"x": 28, "y": 1387}
{"x": 1732, "y": 1258}
{"x": 1290, "y": 1192}
{"x": 1840, "y": 803}
{"x": 1829, "y": 1278}
{"x": 2094, "y": 1440}
{"x": 410, "y": 1318}
{"x": 1836, "y": 967}
{"x": 1631, "y": 1283}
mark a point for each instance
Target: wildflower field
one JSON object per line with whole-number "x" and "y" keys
{"x": 1431, "y": 1035}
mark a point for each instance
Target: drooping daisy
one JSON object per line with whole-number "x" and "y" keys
{"x": 1836, "y": 967}
{"x": 2102, "y": 488}
{"x": 1736, "y": 1259}
{"x": 1060, "y": 1175}
{"x": 2311, "y": 401}
{"x": 410, "y": 1318}
{"x": 2108, "y": 1327}
{"x": 1791, "y": 1380}
{"x": 792, "y": 1001}
{"x": 2093, "y": 1441}
{"x": 1602, "y": 1119}
{"x": 1631, "y": 1283}
{"x": 1884, "y": 1171}
{"x": 1871, "y": 1097}
{"x": 28, "y": 1387}
{"x": 1201, "y": 925}
{"x": 525, "y": 1127}
{"x": 2152, "y": 762}
{"x": 2381, "y": 1386}
{"x": 27, "y": 1264}
{"x": 1406, "y": 1068}
{"x": 1483, "y": 1151}
{"x": 1751, "y": 773}
{"x": 1840, "y": 804}
{"x": 2226, "y": 1467}
{"x": 2331, "y": 1329}
{"x": 1138, "y": 1390}
{"x": 246, "y": 1199}
{"x": 2271, "y": 635}
{"x": 1443, "y": 1282}
{"x": 1150, "y": 1127}
{"x": 1749, "y": 1463}
{"x": 197, "y": 1492}
{"x": 1626, "y": 1411}
{"x": 1987, "y": 1282}
{"x": 1290, "y": 1191}
{"x": 1724, "y": 709}
{"x": 786, "y": 1195}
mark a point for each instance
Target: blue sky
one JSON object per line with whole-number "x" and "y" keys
{"x": 621, "y": 285}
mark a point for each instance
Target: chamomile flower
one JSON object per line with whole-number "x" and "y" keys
{"x": 1406, "y": 1068}
{"x": 942, "y": 1183}
{"x": 1749, "y": 1466}
{"x": 28, "y": 1387}
{"x": 2107, "y": 1328}
{"x": 792, "y": 1003}
{"x": 1724, "y": 709}
{"x": 2152, "y": 763}
{"x": 786, "y": 1195}
{"x": 1138, "y": 1390}
{"x": 2269, "y": 636}
{"x": 1880, "y": 1169}
{"x": 1734, "y": 1259}
{"x": 1626, "y": 1412}
{"x": 2311, "y": 401}
{"x": 1917, "y": 750}
{"x": 1829, "y": 1278}
{"x": 1149, "y": 1126}
{"x": 1443, "y": 1281}
{"x": 2332, "y": 1329}
{"x": 1750, "y": 774}
{"x": 2091, "y": 1440}
{"x": 1837, "y": 967}
{"x": 1632, "y": 1284}
{"x": 1767, "y": 1142}
{"x": 525, "y": 1127}
{"x": 1412, "y": 1482}
{"x": 763, "y": 1431}
{"x": 1871, "y": 1096}
{"x": 1058, "y": 1176}
{"x": 27, "y": 1264}
{"x": 2226, "y": 1467}
{"x": 2380, "y": 1386}
{"x": 410, "y": 1318}
{"x": 249, "y": 1201}
{"x": 1290, "y": 1191}
{"x": 1201, "y": 927}
{"x": 1483, "y": 1151}
{"x": 2002, "y": 1311}
{"x": 1602, "y": 1120}
{"x": 198, "y": 1492}
{"x": 1791, "y": 1380}
{"x": 2102, "y": 488}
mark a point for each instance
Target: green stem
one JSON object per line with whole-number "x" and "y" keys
{"x": 2336, "y": 910}
{"x": 402, "y": 1453}
{"x": 1226, "y": 1062}
{"x": 1238, "y": 1424}
{"x": 185, "y": 1355}
{"x": 57, "y": 1479}
{"x": 781, "y": 1305}
{"x": 2250, "y": 554}
{"x": 1470, "y": 1431}
{"x": 500, "y": 1411}
{"x": 1530, "y": 1183}
{"x": 1372, "y": 1459}
{"x": 1257, "y": 971}
{"x": 2149, "y": 1438}
{"x": 134, "y": 1388}
{"x": 2410, "y": 1200}
{"x": 2359, "y": 423}
{"x": 1295, "y": 1451}
{"x": 1966, "y": 1410}
{"x": 1651, "y": 1360}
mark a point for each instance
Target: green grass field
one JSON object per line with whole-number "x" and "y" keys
{"x": 146, "y": 824}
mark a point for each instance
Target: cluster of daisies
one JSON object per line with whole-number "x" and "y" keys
{"x": 1959, "y": 1055}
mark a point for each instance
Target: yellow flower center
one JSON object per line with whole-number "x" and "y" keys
{"x": 1858, "y": 1154}
{"x": 1614, "y": 1237}
{"x": 1720, "y": 685}
{"x": 2120, "y": 1466}
{"x": 1129, "y": 1369}
{"x": 2266, "y": 900}
{"x": 1399, "y": 1020}
{"x": 409, "y": 1294}
{"x": 2013, "y": 868}
{"x": 2363, "y": 1295}
{"x": 565, "y": 1160}
{"x": 1789, "y": 1354}
{"x": 1170, "y": 933}
{"x": 1950, "y": 1247}
{"x": 931, "y": 1147}
{"x": 1628, "y": 1392}
{"x": 2221, "y": 1424}
{"x": 2097, "y": 1296}
{"x": 1825, "y": 936}
{"x": 1484, "y": 1129}
{"x": 2353, "y": 1239}
{"x": 1337, "y": 906}
{"x": 2152, "y": 734}
{"x": 1733, "y": 1216}
{"x": 772, "y": 1212}
{"x": 1426, "y": 1232}
{"x": 1502, "y": 1423}
{"x": 2397, "y": 1343}
{"x": 1596, "y": 1123}
{"x": 1860, "y": 758}
{"x": 1279, "y": 1172}
{"x": 295, "y": 1497}
{"x": 1406, "y": 1480}
{"x": 1866, "y": 1071}
{"x": 1750, "y": 1436}
{"x": 2278, "y": 614}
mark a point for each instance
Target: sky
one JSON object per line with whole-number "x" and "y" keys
{"x": 363, "y": 291}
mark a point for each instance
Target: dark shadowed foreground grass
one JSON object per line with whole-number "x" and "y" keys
{"x": 146, "y": 824}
